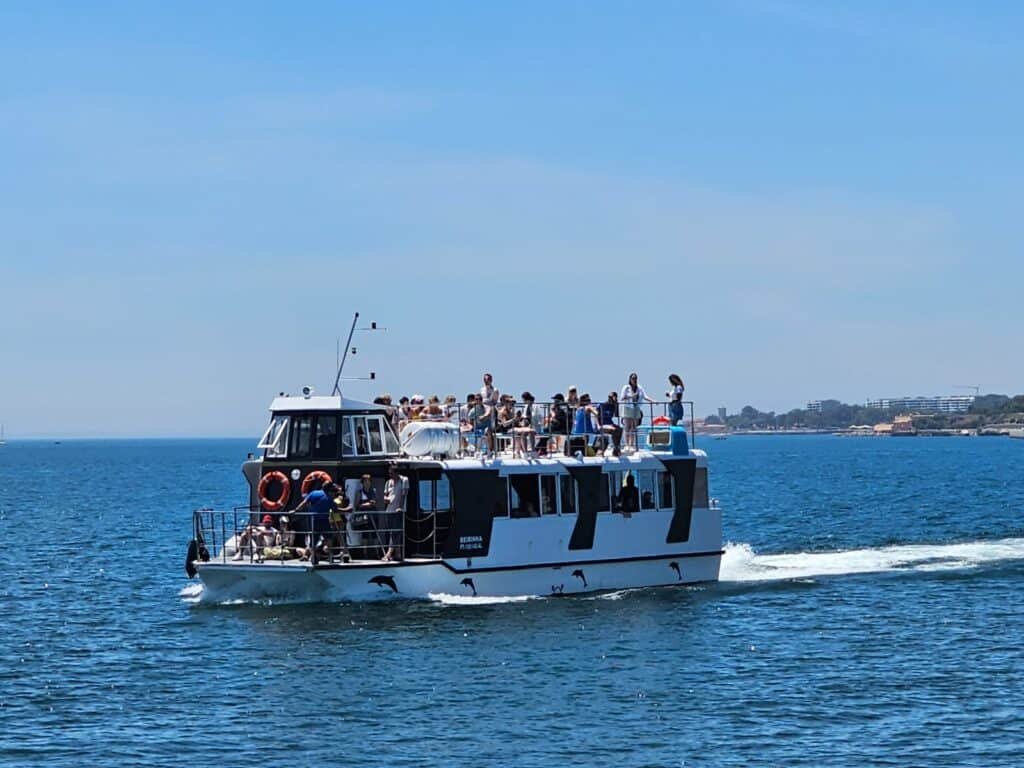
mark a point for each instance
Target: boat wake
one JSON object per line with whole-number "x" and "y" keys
{"x": 445, "y": 599}
{"x": 741, "y": 564}
{"x": 192, "y": 593}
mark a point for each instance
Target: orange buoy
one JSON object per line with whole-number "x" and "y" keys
{"x": 282, "y": 499}
{"x": 312, "y": 477}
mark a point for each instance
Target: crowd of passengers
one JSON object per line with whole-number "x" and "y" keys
{"x": 487, "y": 414}
{"x": 328, "y": 525}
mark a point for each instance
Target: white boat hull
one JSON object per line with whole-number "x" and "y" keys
{"x": 429, "y": 578}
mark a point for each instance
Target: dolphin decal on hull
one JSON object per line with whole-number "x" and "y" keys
{"x": 384, "y": 581}
{"x": 467, "y": 582}
{"x": 675, "y": 567}
{"x": 578, "y": 573}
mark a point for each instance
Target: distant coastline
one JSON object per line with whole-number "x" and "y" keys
{"x": 988, "y": 415}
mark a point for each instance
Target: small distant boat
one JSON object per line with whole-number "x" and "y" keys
{"x": 1018, "y": 433}
{"x": 719, "y": 437}
{"x": 2, "y": 440}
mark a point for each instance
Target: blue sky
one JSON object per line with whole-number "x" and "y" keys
{"x": 779, "y": 200}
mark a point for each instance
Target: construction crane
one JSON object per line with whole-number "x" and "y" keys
{"x": 975, "y": 387}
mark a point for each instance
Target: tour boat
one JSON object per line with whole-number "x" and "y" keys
{"x": 507, "y": 522}
{"x": 525, "y": 513}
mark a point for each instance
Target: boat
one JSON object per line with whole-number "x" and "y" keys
{"x": 2, "y": 440}
{"x": 1016, "y": 432}
{"x": 533, "y": 515}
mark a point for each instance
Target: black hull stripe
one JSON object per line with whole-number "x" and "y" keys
{"x": 497, "y": 568}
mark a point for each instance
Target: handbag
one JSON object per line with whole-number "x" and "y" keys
{"x": 362, "y": 522}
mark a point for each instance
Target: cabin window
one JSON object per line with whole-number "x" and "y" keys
{"x": 275, "y": 439}
{"x": 501, "y": 500}
{"x": 347, "y": 443}
{"x": 359, "y": 429}
{"x": 645, "y": 481}
{"x": 547, "y": 495}
{"x": 604, "y": 503}
{"x": 443, "y": 494}
{"x": 615, "y": 481}
{"x": 435, "y": 495}
{"x": 523, "y": 496}
{"x": 376, "y": 440}
{"x": 426, "y": 494}
{"x": 568, "y": 487}
{"x": 390, "y": 441}
{"x": 302, "y": 434}
{"x": 626, "y": 499}
{"x": 700, "y": 488}
{"x": 665, "y": 489}
{"x": 326, "y": 444}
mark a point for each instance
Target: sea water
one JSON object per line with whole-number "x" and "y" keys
{"x": 869, "y": 613}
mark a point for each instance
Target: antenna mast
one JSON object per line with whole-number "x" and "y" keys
{"x": 350, "y": 349}
{"x": 341, "y": 365}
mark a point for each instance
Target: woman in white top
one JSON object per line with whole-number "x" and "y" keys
{"x": 675, "y": 396}
{"x": 629, "y": 407}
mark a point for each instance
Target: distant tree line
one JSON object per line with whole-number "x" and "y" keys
{"x": 986, "y": 409}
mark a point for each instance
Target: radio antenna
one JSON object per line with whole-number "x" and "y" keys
{"x": 350, "y": 349}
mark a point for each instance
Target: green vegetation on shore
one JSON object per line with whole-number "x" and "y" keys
{"x": 986, "y": 410}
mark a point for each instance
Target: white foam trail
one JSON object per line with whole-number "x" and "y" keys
{"x": 192, "y": 593}
{"x": 741, "y": 564}
{"x": 445, "y": 599}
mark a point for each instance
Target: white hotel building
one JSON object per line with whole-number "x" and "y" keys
{"x": 936, "y": 404}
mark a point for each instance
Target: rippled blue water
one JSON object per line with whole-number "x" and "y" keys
{"x": 886, "y": 632}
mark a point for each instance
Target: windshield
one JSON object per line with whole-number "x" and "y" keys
{"x": 275, "y": 439}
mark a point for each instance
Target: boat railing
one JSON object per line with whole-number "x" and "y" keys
{"x": 239, "y": 534}
{"x": 540, "y": 433}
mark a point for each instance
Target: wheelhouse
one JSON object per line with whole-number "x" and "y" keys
{"x": 327, "y": 429}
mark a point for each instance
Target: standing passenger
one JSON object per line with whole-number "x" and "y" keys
{"x": 675, "y": 396}
{"x": 395, "y": 491}
{"x": 632, "y": 395}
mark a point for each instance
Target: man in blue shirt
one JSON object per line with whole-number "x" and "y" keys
{"x": 315, "y": 510}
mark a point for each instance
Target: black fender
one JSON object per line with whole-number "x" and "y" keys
{"x": 190, "y": 557}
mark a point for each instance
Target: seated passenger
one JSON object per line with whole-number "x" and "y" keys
{"x": 284, "y": 548}
{"x": 433, "y": 411}
{"x": 401, "y": 413}
{"x": 416, "y": 408}
{"x": 505, "y": 418}
{"x": 629, "y": 497}
{"x": 451, "y": 409}
{"x": 558, "y": 418}
{"x": 585, "y": 422}
{"x": 572, "y": 400}
{"x": 606, "y": 413}
{"x": 527, "y": 423}
{"x": 255, "y": 538}
{"x": 480, "y": 421}
{"x": 557, "y": 423}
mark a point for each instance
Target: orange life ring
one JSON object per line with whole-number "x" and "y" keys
{"x": 286, "y": 490}
{"x": 312, "y": 477}
{"x": 661, "y": 421}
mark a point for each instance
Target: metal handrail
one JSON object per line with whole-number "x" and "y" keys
{"x": 543, "y": 413}
{"x": 221, "y": 532}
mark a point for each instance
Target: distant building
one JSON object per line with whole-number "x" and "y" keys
{"x": 937, "y": 404}
{"x": 814, "y": 406}
{"x": 721, "y": 414}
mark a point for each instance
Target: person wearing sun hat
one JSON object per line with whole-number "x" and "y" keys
{"x": 255, "y": 537}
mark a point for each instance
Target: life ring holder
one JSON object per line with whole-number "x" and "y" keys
{"x": 312, "y": 477}
{"x": 661, "y": 421}
{"x": 273, "y": 505}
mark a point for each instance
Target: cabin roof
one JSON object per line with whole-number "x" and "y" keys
{"x": 321, "y": 403}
